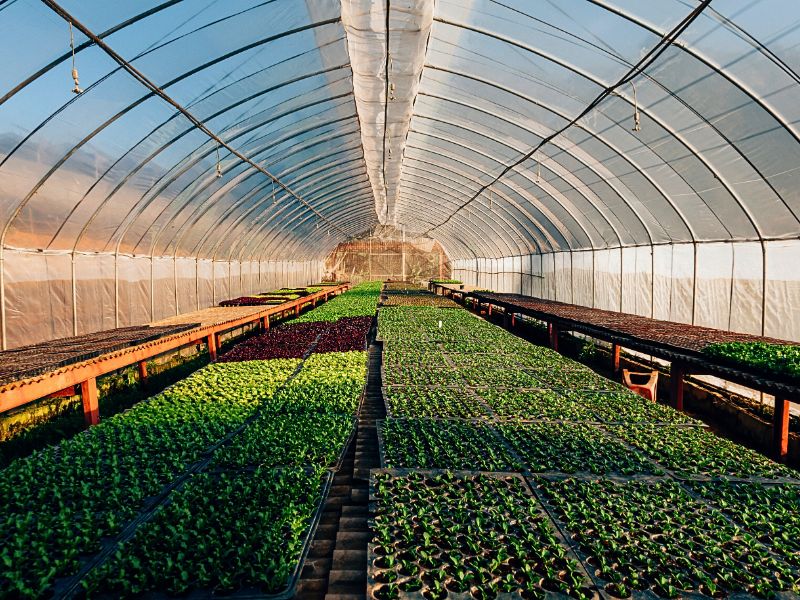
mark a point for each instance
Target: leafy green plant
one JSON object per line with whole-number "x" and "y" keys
{"x": 571, "y": 448}
{"x": 776, "y": 359}
{"x": 442, "y": 444}
{"x": 654, "y": 535}
{"x": 470, "y": 532}
{"x": 359, "y": 301}
{"x": 222, "y": 532}
{"x": 697, "y": 451}
{"x": 432, "y": 402}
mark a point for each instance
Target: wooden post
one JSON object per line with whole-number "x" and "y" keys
{"x": 211, "y": 341}
{"x": 513, "y": 320}
{"x": 676, "y": 375}
{"x": 490, "y": 310}
{"x": 265, "y": 323}
{"x": 143, "y": 373}
{"x": 91, "y": 408}
{"x": 780, "y": 430}
{"x": 296, "y": 310}
{"x": 615, "y": 358}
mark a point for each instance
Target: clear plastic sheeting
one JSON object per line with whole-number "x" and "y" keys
{"x": 713, "y": 285}
{"x": 387, "y": 42}
{"x": 527, "y": 138}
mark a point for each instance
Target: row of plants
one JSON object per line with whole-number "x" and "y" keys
{"x": 400, "y": 299}
{"x": 284, "y": 341}
{"x": 447, "y": 281}
{"x": 782, "y": 360}
{"x": 443, "y": 444}
{"x": 60, "y": 502}
{"x": 433, "y": 402}
{"x": 441, "y": 534}
{"x": 690, "y": 451}
{"x": 294, "y": 340}
{"x": 654, "y": 536}
{"x": 359, "y": 301}
{"x": 234, "y": 531}
{"x": 274, "y": 297}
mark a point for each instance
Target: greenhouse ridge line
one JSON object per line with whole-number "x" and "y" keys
{"x": 144, "y": 80}
{"x": 653, "y": 54}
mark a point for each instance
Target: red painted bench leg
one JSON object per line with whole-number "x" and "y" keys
{"x": 676, "y": 376}
{"x": 143, "y": 373}
{"x": 780, "y": 430}
{"x": 91, "y": 408}
{"x": 552, "y": 331}
{"x": 211, "y": 341}
{"x": 615, "y": 358}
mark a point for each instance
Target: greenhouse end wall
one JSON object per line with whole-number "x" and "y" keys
{"x": 54, "y": 295}
{"x": 747, "y": 287}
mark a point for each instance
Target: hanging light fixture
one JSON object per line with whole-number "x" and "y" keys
{"x": 77, "y": 87}
{"x": 637, "y": 125}
{"x": 219, "y": 166}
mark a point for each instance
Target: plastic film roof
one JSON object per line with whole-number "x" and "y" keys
{"x": 467, "y": 88}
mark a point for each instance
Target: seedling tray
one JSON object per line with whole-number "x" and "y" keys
{"x": 250, "y": 593}
{"x": 374, "y": 570}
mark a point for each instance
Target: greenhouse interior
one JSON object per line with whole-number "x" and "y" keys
{"x": 400, "y": 299}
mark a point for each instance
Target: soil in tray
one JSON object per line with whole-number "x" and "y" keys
{"x": 480, "y": 535}
{"x": 222, "y": 532}
{"x": 443, "y": 444}
{"x": 653, "y": 535}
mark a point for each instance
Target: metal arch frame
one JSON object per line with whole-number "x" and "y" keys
{"x": 164, "y": 181}
{"x": 643, "y": 110}
{"x": 310, "y": 240}
{"x": 430, "y": 189}
{"x": 139, "y": 101}
{"x": 316, "y": 174}
{"x": 152, "y": 156}
{"x": 558, "y": 197}
{"x": 706, "y": 60}
{"x": 426, "y": 176}
{"x": 290, "y": 239}
{"x": 201, "y": 209}
{"x": 546, "y": 237}
{"x": 263, "y": 201}
{"x": 186, "y": 165}
{"x": 472, "y": 230}
{"x": 479, "y": 230}
{"x": 610, "y": 178}
{"x": 576, "y": 156}
{"x": 532, "y": 239}
{"x": 330, "y": 195}
{"x": 220, "y": 194}
{"x": 542, "y": 216}
{"x": 276, "y": 231}
{"x": 118, "y": 27}
{"x": 657, "y": 187}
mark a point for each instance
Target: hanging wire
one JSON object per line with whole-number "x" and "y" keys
{"x": 538, "y": 170}
{"x": 219, "y": 167}
{"x": 637, "y": 125}
{"x": 490, "y": 198}
{"x": 273, "y": 192}
{"x": 77, "y": 88}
